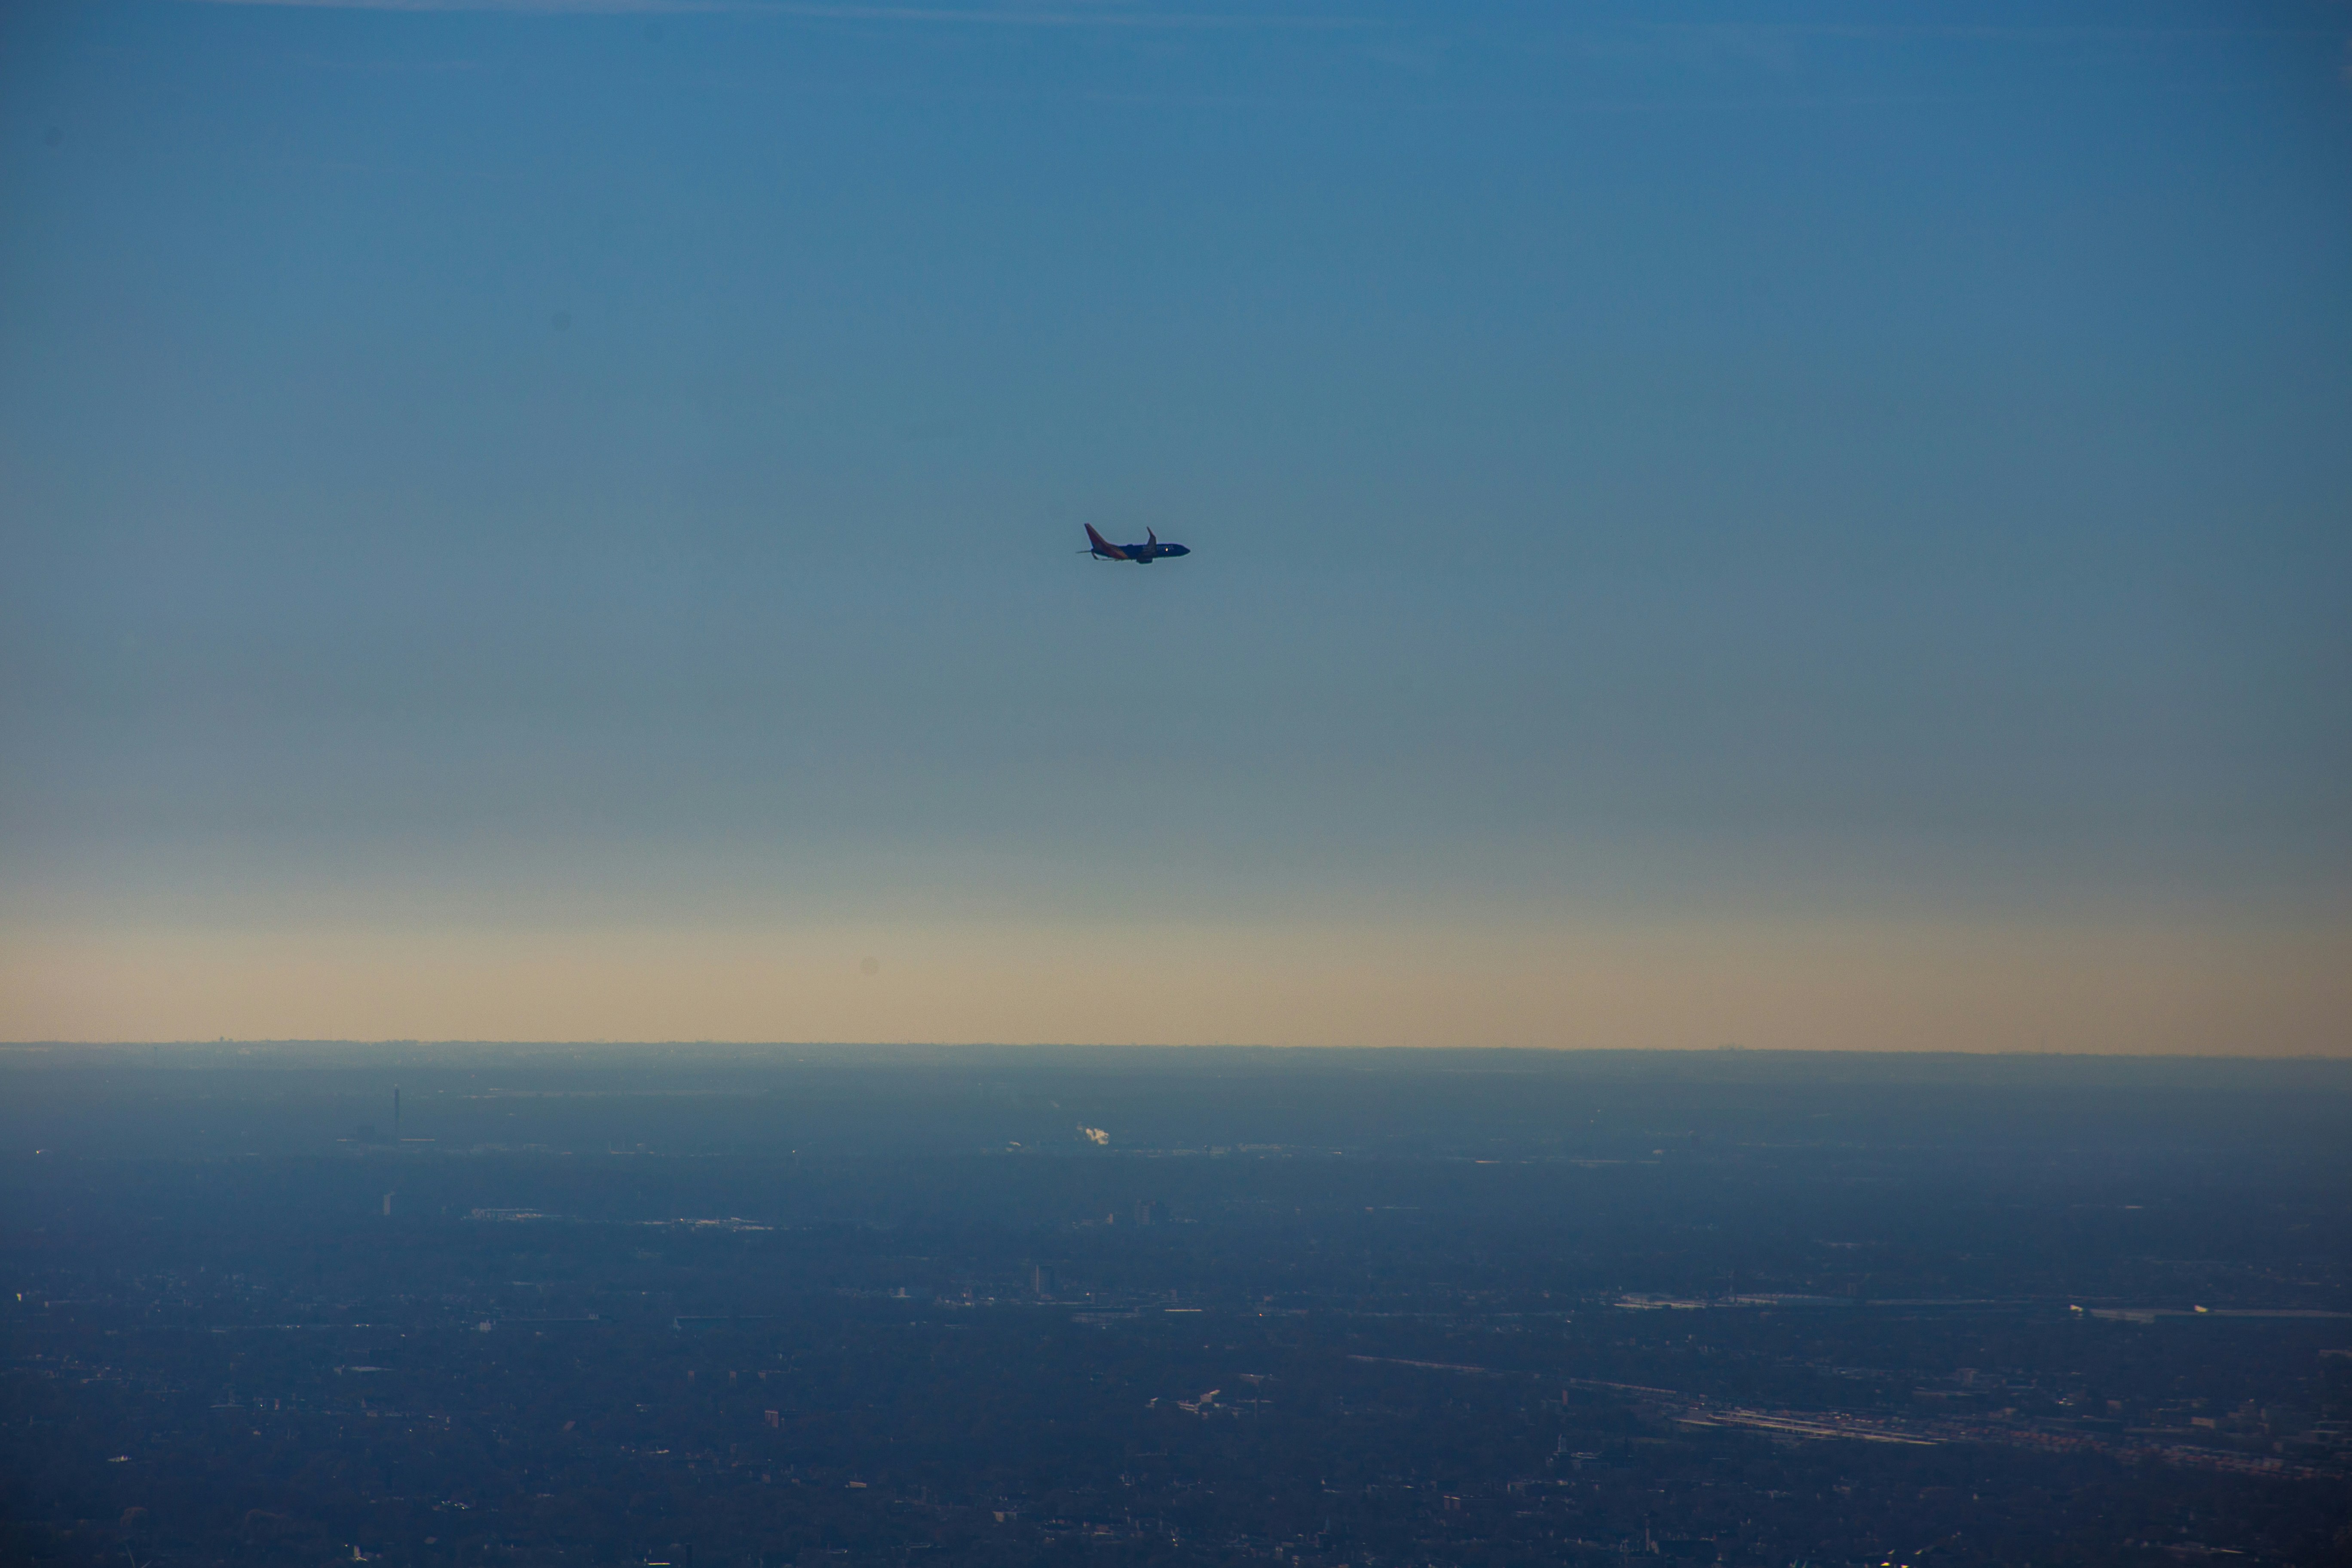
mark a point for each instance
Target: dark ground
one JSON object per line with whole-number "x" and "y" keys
{"x": 786, "y": 1306}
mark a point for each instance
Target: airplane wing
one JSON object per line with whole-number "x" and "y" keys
{"x": 1104, "y": 546}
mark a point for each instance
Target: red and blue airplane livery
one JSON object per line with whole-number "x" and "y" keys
{"x": 1143, "y": 554}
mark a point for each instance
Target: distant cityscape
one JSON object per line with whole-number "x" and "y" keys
{"x": 727, "y": 1310}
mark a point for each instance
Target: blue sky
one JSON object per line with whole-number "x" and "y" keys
{"x": 1686, "y": 493}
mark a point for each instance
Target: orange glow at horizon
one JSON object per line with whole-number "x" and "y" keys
{"x": 1820, "y": 985}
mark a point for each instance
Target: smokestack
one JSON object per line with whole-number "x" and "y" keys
{"x": 387, "y": 1205}
{"x": 395, "y": 1113}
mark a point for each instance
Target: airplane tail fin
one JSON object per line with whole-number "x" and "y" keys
{"x": 1104, "y": 546}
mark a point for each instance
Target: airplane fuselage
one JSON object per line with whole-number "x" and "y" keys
{"x": 1141, "y": 554}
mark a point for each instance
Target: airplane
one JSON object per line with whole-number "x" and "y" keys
{"x": 1143, "y": 554}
